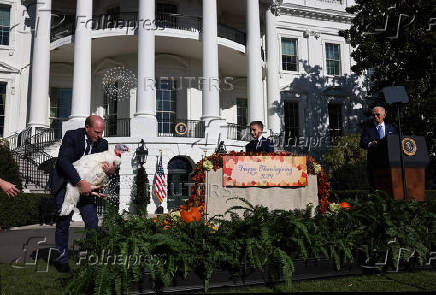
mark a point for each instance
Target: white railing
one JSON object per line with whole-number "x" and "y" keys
{"x": 331, "y": 1}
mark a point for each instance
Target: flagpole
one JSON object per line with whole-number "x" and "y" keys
{"x": 160, "y": 164}
{"x": 206, "y": 191}
{"x": 160, "y": 183}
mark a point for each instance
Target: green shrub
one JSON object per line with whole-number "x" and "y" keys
{"x": 430, "y": 194}
{"x": 338, "y": 196}
{"x": 8, "y": 167}
{"x": 260, "y": 239}
{"x": 142, "y": 196}
{"x": 23, "y": 209}
{"x": 345, "y": 164}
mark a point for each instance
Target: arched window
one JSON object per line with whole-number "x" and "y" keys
{"x": 179, "y": 180}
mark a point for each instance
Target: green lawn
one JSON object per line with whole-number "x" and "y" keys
{"x": 31, "y": 280}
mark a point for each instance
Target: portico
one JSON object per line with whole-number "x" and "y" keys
{"x": 144, "y": 111}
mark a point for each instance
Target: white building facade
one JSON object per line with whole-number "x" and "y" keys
{"x": 182, "y": 75}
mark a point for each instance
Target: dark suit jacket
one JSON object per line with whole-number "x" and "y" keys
{"x": 267, "y": 146}
{"x": 370, "y": 133}
{"x": 71, "y": 150}
{"x": 376, "y": 155}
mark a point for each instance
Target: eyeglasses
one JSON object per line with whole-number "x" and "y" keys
{"x": 378, "y": 114}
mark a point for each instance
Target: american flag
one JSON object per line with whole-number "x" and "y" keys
{"x": 160, "y": 182}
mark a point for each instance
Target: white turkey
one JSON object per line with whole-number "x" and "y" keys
{"x": 90, "y": 169}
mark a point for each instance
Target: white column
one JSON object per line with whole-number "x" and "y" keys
{"x": 144, "y": 123}
{"x": 253, "y": 48}
{"x": 273, "y": 73}
{"x": 81, "y": 101}
{"x": 211, "y": 99}
{"x": 39, "y": 99}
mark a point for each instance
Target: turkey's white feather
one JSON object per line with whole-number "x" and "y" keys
{"x": 90, "y": 169}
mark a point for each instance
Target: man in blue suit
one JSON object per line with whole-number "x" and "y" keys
{"x": 371, "y": 137}
{"x": 75, "y": 144}
{"x": 259, "y": 143}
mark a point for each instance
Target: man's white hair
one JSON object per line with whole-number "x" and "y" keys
{"x": 380, "y": 107}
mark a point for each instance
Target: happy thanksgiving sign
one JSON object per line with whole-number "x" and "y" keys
{"x": 264, "y": 171}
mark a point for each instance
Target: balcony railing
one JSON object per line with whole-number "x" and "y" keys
{"x": 331, "y": 1}
{"x": 335, "y": 133}
{"x": 65, "y": 24}
{"x": 238, "y": 132}
{"x": 18, "y": 140}
{"x": 230, "y": 33}
{"x": 56, "y": 125}
{"x": 62, "y": 26}
{"x": 116, "y": 127}
{"x": 185, "y": 128}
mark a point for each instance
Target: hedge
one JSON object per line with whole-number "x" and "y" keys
{"x": 24, "y": 209}
{"x": 8, "y": 167}
{"x": 343, "y": 195}
{"x": 266, "y": 241}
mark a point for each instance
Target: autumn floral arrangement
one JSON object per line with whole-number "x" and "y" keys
{"x": 215, "y": 162}
{"x": 195, "y": 205}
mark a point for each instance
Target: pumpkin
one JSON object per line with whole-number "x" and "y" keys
{"x": 345, "y": 205}
{"x": 190, "y": 215}
{"x": 195, "y": 212}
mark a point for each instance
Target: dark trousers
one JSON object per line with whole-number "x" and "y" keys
{"x": 88, "y": 211}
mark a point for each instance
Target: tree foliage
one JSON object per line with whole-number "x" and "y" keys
{"x": 397, "y": 41}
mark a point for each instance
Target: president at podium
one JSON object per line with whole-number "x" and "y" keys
{"x": 372, "y": 137}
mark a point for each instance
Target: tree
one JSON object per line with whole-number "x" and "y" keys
{"x": 397, "y": 41}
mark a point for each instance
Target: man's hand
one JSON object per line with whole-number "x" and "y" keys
{"x": 84, "y": 187}
{"x": 9, "y": 188}
{"x": 109, "y": 170}
{"x": 372, "y": 144}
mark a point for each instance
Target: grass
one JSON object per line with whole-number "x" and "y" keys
{"x": 26, "y": 279}
{"x": 34, "y": 280}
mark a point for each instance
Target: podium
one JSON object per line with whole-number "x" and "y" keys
{"x": 385, "y": 165}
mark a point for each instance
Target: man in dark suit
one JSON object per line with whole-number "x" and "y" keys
{"x": 259, "y": 143}
{"x": 371, "y": 136}
{"x": 75, "y": 144}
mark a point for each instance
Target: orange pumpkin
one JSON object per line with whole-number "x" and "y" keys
{"x": 186, "y": 216}
{"x": 195, "y": 212}
{"x": 190, "y": 215}
{"x": 345, "y": 205}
